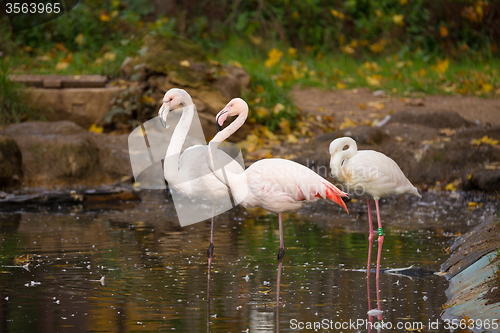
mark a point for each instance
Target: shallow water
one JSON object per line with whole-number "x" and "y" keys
{"x": 155, "y": 271}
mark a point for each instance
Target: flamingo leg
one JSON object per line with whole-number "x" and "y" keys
{"x": 379, "y": 255}
{"x": 281, "y": 254}
{"x": 210, "y": 252}
{"x": 371, "y": 237}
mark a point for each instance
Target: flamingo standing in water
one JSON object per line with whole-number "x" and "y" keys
{"x": 377, "y": 175}
{"x": 275, "y": 184}
{"x": 188, "y": 173}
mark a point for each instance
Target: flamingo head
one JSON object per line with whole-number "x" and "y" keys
{"x": 235, "y": 107}
{"x": 172, "y": 99}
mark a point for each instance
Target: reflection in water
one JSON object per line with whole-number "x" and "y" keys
{"x": 155, "y": 271}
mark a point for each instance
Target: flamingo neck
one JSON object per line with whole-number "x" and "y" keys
{"x": 171, "y": 165}
{"x": 222, "y": 174}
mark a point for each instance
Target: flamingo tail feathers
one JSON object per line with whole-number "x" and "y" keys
{"x": 335, "y": 195}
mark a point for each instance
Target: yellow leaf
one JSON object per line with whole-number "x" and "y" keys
{"x": 109, "y": 56}
{"x": 347, "y": 49}
{"x": 104, "y": 17}
{"x": 447, "y": 131}
{"x": 270, "y": 135}
{"x": 443, "y": 31}
{"x": 337, "y": 14}
{"x": 373, "y": 81}
{"x": 486, "y": 140}
{"x": 62, "y": 65}
{"x": 398, "y": 19}
{"x": 347, "y": 123}
{"x": 341, "y": 39}
{"x": 469, "y": 176}
{"x": 148, "y": 99}
{"x": 79, "y": 39}
{"x": 376, "y": 105}
{"x": 403, "y": 2}
{"x": 472, "y": 204}
{"x": 340, "y": 85}
{"x": 292, "y": 51}
{"x": 450, "y": 187}
{"x": 320, "y": 109}
{"x": 235, "y": 63}
{"x": 441, "y": 66}
{"x": 114, "y": 13}
{"x": 284, "y": 125}
{"x": 487, "y": 87}
{"x": 292, "y": 138}
{"x": 96, "y": 129}
{"x": 274, "y": 57}
{"x": 278, "y": 108}
{"x": 261, "y": 112}
{"x": 185, "y": 63}
{"x": 256, "y": 40}
{"x": 378, "y": 13}
{"x": 377, "y": 47}
{"x": 362, "y": 106}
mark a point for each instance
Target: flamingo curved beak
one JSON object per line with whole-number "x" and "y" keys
{"x": 221, "y": 117}
{"x": 163, "y": 112}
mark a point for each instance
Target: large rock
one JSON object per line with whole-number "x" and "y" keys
{"x": 10, "y": 161}
{"x": 64, "y": 154}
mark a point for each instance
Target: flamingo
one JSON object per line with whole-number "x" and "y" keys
{"x": 275, "y": 184}
{"x": 188, "y": 173}
{"x": 377, "y": 175}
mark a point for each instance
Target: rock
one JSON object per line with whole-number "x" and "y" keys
{"x": 10, "y": 161}
{"x": 442, "y": 119}
{"x": 483, "y": 179}
{"x": 64, "y": 154}
{"x": 229, "y": 86}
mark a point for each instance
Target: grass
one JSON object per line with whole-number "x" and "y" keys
{"x": 275, "y": 69}
{"x": 13, "y": 106}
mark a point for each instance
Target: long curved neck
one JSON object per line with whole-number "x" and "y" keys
{"x": 224, "y": 175}
{"x": 171, "y": 165}
{"x": 338, "y": 158}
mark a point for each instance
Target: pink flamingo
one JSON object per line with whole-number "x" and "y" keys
{"x": 376, "y": 175}
{"x": 277, "y": 185}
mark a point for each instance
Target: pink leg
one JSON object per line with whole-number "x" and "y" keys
{"x": 379, "y": 255}
{"x": 210, "y": 252}
{"x": 370, "y": 318}
{"x": 281, "y": 254}
{"x": 371, "y": 237}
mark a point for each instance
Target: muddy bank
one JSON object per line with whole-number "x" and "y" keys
{"x": 432, "y": 148}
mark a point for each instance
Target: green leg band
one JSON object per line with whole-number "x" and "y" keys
{"x": 380, "y": 232}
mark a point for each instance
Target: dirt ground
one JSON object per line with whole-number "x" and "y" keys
{"x": 362, "y": 104}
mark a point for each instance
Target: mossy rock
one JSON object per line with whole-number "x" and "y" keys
{"x": 10, "y": 161}
{"x": 178, "y": 57}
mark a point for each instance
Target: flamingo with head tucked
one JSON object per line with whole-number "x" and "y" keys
{"x": 376, "y": 175}
{"x": 275, "y": 184}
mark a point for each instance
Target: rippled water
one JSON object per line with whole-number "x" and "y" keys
{"x": 155, "y": 271}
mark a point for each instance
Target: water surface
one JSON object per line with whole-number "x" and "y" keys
{"x": 155, "y": 271}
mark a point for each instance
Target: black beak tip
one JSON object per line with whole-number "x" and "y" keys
{"x": 346, "y": 199}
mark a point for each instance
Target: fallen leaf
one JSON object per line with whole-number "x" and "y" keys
{"x": 337, "y": 14}
{"x": 362, "y": 106}
{"x": 278, "y": 108}
{"x": 398, "y": 19}
{"x": 109, "y": 56}
{"x": 347, "y": 123}
{"x": 341, "y": 85}
{"x": 62, "y": 65}
{"x": 256, "y": 40}
{"x": 79, "y": 39}
{"x": 261, "y": 112}
{"x": 447, "y": 131}
{"x": 185, "y": 63}
{"x": 284, "y": 125}
{"x": 274, "y": 57}
{"x": 372, "y": 81}
{"x": 292, "y": 138}
{"x": 450, "y": 187}
{"x": 104, "y": 17}
{"x": 486, "y": 140}
{"x": 441, "y": 66}
{"x": 96, "y": 129}
{"x": 443, "y": 31}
